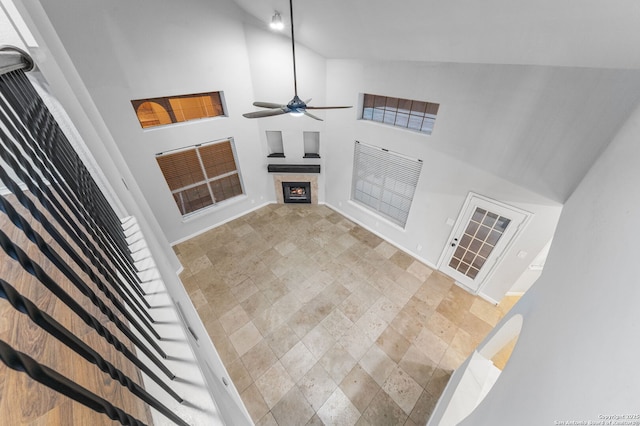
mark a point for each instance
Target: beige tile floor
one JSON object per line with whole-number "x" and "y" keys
{"x": 319, "y": 321}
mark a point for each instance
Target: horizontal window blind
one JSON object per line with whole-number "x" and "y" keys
{"x": 201, "y": 176}
{"x": 384, "y": 182}
{"x": 411, "y": 114}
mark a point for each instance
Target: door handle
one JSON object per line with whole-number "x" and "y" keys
{"x": 453, "y": 244}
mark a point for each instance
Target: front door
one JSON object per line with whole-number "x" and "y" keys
{"x": 484, "y": 229}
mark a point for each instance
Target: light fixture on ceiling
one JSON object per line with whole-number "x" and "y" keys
{"x": 276, "y": 22}
{"x": 296, "y": 106}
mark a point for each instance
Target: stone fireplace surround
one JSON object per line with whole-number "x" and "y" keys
{"x": 291, "y": 177}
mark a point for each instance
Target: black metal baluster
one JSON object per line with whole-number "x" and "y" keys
{"x": 126, "y": 268}
{"x": 42, "y": 374}
{"x": 30, "y": 107}
{"x": 57, "y": 330}
{"x": 16, "y": 253}
{"x": 46, "y": 249}
{"x": 40, "y": 154}
{"x": 122, "y": 290}
{"x": 50, "y": 202}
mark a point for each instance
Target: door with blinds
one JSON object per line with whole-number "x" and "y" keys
{"x": 384, "y": 181}
{"x": 484, "y": 230}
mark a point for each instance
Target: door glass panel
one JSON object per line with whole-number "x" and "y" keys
{"x": 478, "y": 242}
{"x": 502, "y": 224}
{"x": 482, "y": 233}
{"x": 485, "y": 250}
{"x": 490, "y": 219}
{"x": 468, "y": 257}
{"x": 472, "y": 228}
{"x": 478, "y": 262}
{"x": 472, "y": 273}
{"x": 494, "y": 237}
{"x": 478, "y": 215}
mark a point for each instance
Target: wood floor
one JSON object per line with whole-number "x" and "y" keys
{"x": 24, "y": 401}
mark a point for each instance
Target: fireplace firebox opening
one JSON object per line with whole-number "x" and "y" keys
{"x": 296, "y": 192}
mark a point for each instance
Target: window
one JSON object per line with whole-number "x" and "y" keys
{"x": 414, "y": 115}
{"x": 384, "y": 181}
{"x": 201, "y": 176}
{"x": 175, "y": 109}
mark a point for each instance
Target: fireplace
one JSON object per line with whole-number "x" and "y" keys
{"x": 298, "y": 179}
{"x": 296, "y": 192}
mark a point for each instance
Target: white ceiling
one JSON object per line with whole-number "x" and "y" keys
{"x": 553, "y": 80}
{"x": 574, "y": 33}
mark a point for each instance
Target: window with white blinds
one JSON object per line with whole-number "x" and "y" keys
{"x": 384, "y": 181}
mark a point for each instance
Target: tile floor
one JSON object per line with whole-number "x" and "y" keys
{"x": 319, "y": 321}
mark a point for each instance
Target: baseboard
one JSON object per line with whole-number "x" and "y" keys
{"x": 209, "y": 228}
{"x": 385, "y": 238}
{"x": 488, "y": 299}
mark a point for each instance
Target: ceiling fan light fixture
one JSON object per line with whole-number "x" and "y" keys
{"x": 276, "y": 22}
{"x": 296, "y": 106}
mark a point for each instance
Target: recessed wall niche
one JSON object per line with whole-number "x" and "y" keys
{"x": 274, "y": 144}
{"x": 311, "y": 144}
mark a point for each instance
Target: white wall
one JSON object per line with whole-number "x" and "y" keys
{"x": 8, "y": 35}
{"x": 538, "y": 127}
{"x": 271, "y": 64}
{"x": 577, "y": 355}
{"x": 141, "y": 51}
{"x": 445, "y": 180}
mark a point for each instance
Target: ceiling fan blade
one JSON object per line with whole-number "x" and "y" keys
{"x": 260, "y": 114}
{"x": 329, "y": 107}
{"x": 267, "y": 105}
{"x": 308, "y": 114}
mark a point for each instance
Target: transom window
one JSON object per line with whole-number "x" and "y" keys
{"x": 384, "y": 181}
{"x": 407, "y": 113}
{"x": 175, "y": 109}
{"x": 202, "y": 175}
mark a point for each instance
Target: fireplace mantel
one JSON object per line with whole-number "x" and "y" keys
{"x": 293, "y": 168}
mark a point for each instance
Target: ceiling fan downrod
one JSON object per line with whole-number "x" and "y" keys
{"x": 293, "y": 50}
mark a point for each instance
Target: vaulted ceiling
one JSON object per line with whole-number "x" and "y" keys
{"x": 571, "y": 33}
{"x": 541, "y": 88}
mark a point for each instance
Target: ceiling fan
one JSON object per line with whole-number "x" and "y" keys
{"x": 296, "y": 106}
